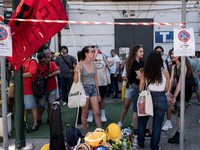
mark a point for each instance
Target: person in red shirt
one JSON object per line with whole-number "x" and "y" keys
{"x": 50, "y": 95}
{"x": 29, "y": 75}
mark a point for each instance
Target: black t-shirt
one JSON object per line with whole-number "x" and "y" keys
{"x": 136, "y": 66}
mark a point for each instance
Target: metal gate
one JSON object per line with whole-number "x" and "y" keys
{"x": 128, "y": 35}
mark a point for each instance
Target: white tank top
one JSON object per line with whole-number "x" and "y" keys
{"x": 158, "y": 87}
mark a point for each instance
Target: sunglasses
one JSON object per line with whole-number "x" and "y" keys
{"x": 42, "y": 61}
{"x": 91, "y": 52}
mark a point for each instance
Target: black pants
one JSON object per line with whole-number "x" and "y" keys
{"x": 114, "y": 84}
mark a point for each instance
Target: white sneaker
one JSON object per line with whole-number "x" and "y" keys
{"x": 120, "y": 124}
{"x": 167, "y": 126}
{"x": 90, "y": 118}
{"x": 103, "y": 118}
{"x": 65, "y": 103}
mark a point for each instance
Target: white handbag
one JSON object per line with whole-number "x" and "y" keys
{"x": 77, "y": 97}
{"x": 144, "y": 103}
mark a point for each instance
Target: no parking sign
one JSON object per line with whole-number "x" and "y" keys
{"x": 5, "y": 41}
{"x": 184, "y": 42}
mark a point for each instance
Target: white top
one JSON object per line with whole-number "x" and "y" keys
{"x": 124, "y": 72}
{"x": 103, "y": 75}
{"x": 114, "y": 66}
{"x": 158, "y": 87}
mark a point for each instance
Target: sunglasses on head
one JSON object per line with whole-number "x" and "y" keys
{"x": 47, "y": 50}
{"x": 42, "y": 61}
{"x": 93, "y": 46}
{"x": 140, "y": 45}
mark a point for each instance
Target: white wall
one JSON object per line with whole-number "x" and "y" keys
{"x": 108, "y": 11}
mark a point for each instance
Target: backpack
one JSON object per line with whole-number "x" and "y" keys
{"x": 39, "y": 86}
{"x": 73, "y": 134}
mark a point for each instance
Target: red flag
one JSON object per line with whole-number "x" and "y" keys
{"x": 28, "y": 37}
{"x": 99, "y": 52}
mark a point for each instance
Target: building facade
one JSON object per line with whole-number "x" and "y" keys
{"x": 121, "y": 37}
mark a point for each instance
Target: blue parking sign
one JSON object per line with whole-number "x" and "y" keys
{"x": 164, "y": 37}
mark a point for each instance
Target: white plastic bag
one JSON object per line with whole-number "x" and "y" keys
{"x": 77, "y": 97}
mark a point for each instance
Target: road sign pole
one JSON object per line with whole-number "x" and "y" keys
{"x": 3, "y": 96}
{"x": 4, "y": 104}
{"x": 182, "y": 109}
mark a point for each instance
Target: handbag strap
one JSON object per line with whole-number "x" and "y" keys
{"x": 29, "y": 66}
{"x": 47, "y": 70}
{"x": 145, "y": 86}
{"x": 66, "y": 62}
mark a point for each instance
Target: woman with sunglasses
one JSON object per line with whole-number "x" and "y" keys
{"x": 134, "y": 69}
{"x": 88, "y": 71}
{"x": 157, "y": 79}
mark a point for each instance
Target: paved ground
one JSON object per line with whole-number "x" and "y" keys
{"x": 192, "y": 131}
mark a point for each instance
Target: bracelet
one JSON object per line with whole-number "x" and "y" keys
{"x": 75, "y": 72}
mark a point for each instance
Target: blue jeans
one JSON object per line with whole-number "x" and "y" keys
{"x": 159, "y": 108}
{"x": 114, "y": 84}
{"x": 65, "y": 87}
{"x": 50, "y": 97}
{"x": 134, "y": 94}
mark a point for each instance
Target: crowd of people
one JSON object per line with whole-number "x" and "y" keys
{"x": 99, "y": 76}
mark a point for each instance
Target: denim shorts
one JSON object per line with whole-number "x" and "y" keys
{"x": 29, "y": 102}
{"x": 133, "y": 92}
{"x": 128, "y": 94}
{"x": 49, "y": 96}
{"x": 90, "y": 90}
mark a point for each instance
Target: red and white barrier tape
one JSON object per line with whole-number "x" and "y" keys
{"x": 88, "y": 22}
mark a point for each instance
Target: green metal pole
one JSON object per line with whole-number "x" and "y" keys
{"x": 19, "y": 102}
{"x": 14, "y": 4}
{"x": 19, "y": 110}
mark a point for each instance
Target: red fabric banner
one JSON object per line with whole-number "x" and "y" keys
{"x": 28, "y": 37}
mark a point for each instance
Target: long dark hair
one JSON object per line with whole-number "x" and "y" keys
{"x": 131, "y": 58}
{"x": 79, "y": 54}
{"x": 152, "y": 68}
{"x": 84, "y": 50}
